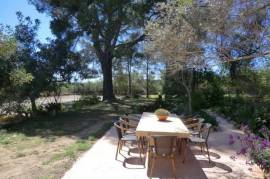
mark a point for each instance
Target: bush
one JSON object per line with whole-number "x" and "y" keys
{"x": 86, "y": 101}
{"x": 262, "y": 159}
{"x": 199, "y": 101}
{"x": 53, "y": 108}
{"x": 213, "y": 95}
{"x": 258, "y": 147}
{"x": 208, "y": 118}
{"x": 244, "y": 110}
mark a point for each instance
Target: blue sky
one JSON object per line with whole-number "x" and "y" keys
{"x": 8, "y": 9}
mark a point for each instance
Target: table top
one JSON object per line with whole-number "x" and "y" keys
{"x": 150, "y": 125}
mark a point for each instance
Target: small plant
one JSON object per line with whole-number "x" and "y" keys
{"x": 53, "y": 108}
{"x": 257, "y": 147}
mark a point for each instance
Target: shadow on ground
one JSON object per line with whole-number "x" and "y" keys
{"x": 75, "y": 122}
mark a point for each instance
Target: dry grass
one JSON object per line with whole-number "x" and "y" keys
{"x": 46, "y": 147}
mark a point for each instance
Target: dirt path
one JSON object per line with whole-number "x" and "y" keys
{"x": 219, "y": 143}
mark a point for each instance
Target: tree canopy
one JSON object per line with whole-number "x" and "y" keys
{"x": 111, "y": 26}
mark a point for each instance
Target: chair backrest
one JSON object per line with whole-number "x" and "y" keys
{"x": 205, "y": 131}
{"x": 201, "y": 120}
{"x": 164, "y": 145}
{"x": 119, "y": 130}
{"x": 124, "y": 122}
{"x": 191, "y": 123}
{"x": 200, "y": 124}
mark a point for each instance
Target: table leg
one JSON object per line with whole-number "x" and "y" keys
{"x": 184, "y": 148}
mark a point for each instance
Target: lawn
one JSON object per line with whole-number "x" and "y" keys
{"x": 45, "y": 147}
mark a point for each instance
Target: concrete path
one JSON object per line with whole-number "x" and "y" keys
{"x": 99, "y": 162}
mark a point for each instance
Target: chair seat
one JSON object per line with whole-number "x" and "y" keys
{"x": 130, "y": 131}
{"x": 197, "y": 139}
{"x": 195, "y": 133}
{"x": 129, "y": 137}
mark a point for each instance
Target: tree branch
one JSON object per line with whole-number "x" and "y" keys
{"x": 131, "y": 43}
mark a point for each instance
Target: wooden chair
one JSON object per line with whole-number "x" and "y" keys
{"x": 203, "y": 139}
{"x": 129, "y": 119}
{"x": 123, "y": 137}
{"x": 197, "y": 129}
{"x": 194, "y": 125}
{"x": 128, "y": 124}
{"x": 163, "y": 147}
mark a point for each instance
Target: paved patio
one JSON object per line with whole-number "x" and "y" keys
{"x": 99, "y": 162}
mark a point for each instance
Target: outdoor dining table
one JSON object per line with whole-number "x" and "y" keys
{"x": 149, "y": 125}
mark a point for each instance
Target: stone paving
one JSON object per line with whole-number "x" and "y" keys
{"x": 99, "y": 162}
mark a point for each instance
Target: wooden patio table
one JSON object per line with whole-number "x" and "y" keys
{"x": 150, "y": 125}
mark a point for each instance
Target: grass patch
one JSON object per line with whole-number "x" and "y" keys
{"x": 19, "y": 155}
{"x": 46, "y": 126}
{"x": 99, "y": 133}
{"x": 11, "y": 138}
{"x": 72, "y": 151}
{"x": 35, "y": 135}
{"x": 46, "y": 177}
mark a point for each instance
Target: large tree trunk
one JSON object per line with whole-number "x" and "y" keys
{"x": 234, "y": 72}
{"x": 147, "y": 78}
{"x": 33, "y": 104}
{"x": 106, "y": 65}
{"x": 129, "y": 78}
{"x": 187, "y": 84}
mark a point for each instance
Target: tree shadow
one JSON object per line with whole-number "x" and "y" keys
{"x": 212, "y": 154}
{"x": 73, "y": 123}
{"x": 189, "y": 169}
{"x": 206, "y": 164}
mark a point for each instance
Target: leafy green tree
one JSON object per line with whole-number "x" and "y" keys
{"x": 111, "y": 26}
{"x": 13, "y": 76}
{"x": 26, "y": 52}
{"x": 50, "y": 64}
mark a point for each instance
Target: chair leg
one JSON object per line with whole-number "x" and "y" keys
{"x": 152, "y": 166}
{"x": 208, "y": 152}
{"x": 117, "y": 150}
{"x": 140, "y": 149}
{"x": 173, "y": 167}
{"x": 121, "y": 145}
{"x": 143, "y": 142}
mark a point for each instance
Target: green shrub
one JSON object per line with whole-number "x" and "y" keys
{"x": 199, "y": 101}
{"x": 213, "y": 95}
{"x": 207, "y": 118}
{"x": 261, "y": 158}
{"x": 244, "y": 110}
{"x": 86, "y": 101}
{"x": 53, "y": 107}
